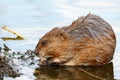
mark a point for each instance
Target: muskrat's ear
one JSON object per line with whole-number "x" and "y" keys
{"x": 62, "y": 35}
{"x": 59, "y": 33}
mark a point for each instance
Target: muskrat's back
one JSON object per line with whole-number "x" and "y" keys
{"x": 89, "y": 40}
{"x": 90, "y": 26}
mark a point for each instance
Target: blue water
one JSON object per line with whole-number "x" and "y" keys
{"x": 33, "y": 18}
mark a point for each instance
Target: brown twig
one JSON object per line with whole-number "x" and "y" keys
{"x": 15, "y": 33}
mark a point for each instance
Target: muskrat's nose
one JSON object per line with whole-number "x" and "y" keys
{"x": 42, "y": 61}
{"x": 45, "y": 61}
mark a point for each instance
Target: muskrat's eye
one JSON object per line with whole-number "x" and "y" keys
{"x": 44, "y": 42}
{"x": 61, "y": 34}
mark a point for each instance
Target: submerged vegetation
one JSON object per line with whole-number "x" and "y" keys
{"x": 10, "y": 60}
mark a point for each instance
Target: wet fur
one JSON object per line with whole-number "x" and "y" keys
{"x": 89, "y": 40}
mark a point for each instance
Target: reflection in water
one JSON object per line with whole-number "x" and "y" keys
{"x": 7, "y": 38}
{"x": 104, "y": 72}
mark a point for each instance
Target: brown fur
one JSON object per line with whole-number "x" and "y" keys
{"x": 87, "y": 41}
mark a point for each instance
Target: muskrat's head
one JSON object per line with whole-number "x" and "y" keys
{"x": 55, "y": 47}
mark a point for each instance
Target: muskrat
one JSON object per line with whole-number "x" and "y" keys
{"x": 89, "y": 40}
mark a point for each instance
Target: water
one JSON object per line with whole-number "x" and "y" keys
{"x": 75, "y": 73}
{"x": 33, "y": 18}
